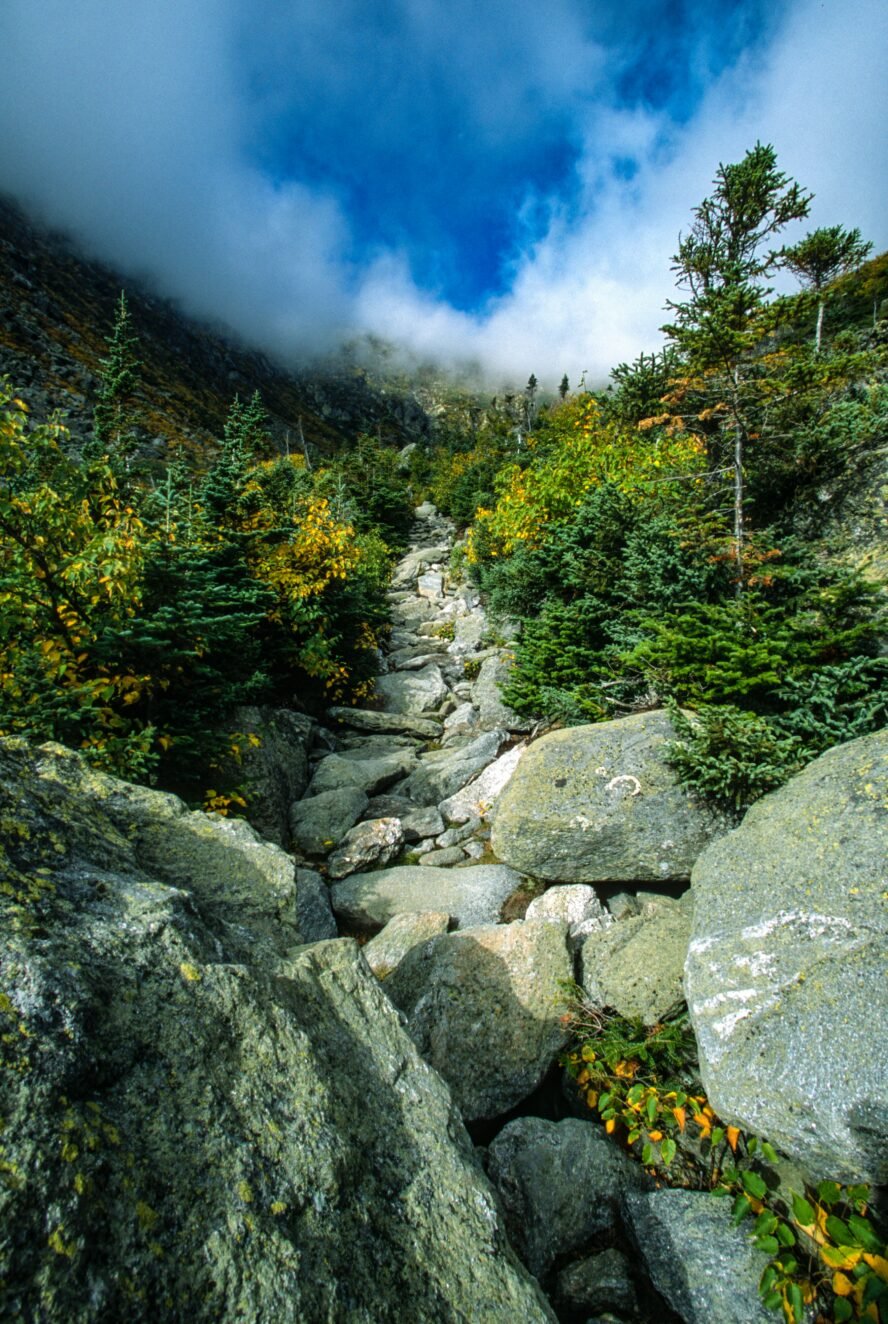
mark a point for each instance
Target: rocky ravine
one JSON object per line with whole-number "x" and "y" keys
{"x": 213, "y": 1108}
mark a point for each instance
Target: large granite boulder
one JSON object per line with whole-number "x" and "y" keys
{"x": 576, "y": 905}
{"x": 487, "y": 698}
{"x": 786, "y": 971}
{"x": 483, "y": 1007}
{"x": 600, "y": 804}
{"x": 562, "y": 1184}
{"x": 637, "y": 965}
{"x": 706, "y": 1268}
{"x": 375, "y": 841}
{"x": 386, "y": 951}
{"x": 370, "y": 775}
{"x": 474, "y": 894}
{"x": 197, "y": 1128}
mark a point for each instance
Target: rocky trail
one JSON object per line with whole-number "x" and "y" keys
{"x": 241, "y": 1062}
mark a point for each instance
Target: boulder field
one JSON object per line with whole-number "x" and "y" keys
{"x": 238, "y": 1062}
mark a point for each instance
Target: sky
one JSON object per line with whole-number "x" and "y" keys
{"x": 478, "y": 181}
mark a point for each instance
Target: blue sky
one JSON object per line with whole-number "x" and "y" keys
{"x": 500, "y": 182}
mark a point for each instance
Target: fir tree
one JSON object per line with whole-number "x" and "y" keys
{"x": 113, "y": 418}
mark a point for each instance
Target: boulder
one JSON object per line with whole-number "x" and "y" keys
{"x": 637, "y": 965}
{"x": 371, "y": 775}
{"x": 472, "y": 895}
{"x": 413, "y": 611}
{"x": 786, "y": 969}
{"x": 482, "y": 1006}
{"x": 704, "y": 1266}
{"x": 413, "y": 564}
{"x": 463, "y": 720}
{"x": 320, "y": 822}
{"x": 561, "y": 1184}
{"x": 480, "y": 797}
{"x": 436, "y": 859}
{"x": 195, "y": 1127}
{"x": 314, "y": 914}
{"x": 412, "y": 692}
{"x": 445, "y": 771}
{"x": 270, "y": 765}
{"x": 364, "y": 719}
{"x": 576, "y": 905}
{"x": 600, "y": 804}
{"x": 598, "y": 1283}
{"x": 430, "y": 585}
{"x": 487, "y": 698}
{"x": 375, "y": 841}
{"x": 386, "y": 951}
{"x": 421, "y": 823}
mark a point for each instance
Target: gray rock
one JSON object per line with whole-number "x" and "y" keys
{"x": 482, "y": 1006}
{"x": 386, "y": 951}
{"x": 480, "y": 797}
{"x": 561, "y": 1184}
{"x": 196, "y": 1128}
{"x": 462, "y": 720}
{"x": 363, "y": 719}
{"x": 388, "y": 806}
{"x": 314, "y": 914}
{"x": 786, "y": 970}
{"x": 436, "y": 859}
{"x": 371, "y": 775}
{"x": 412, "y": 612}
{"x": 487, "y": 698}
{"x": 576, "y": 905}
{"x": 412, "y": 565}
{"x": 637, "y": 966}
{"x": 445, "y": 771}
{"x": 272, "y": 773}
{"x": 623, "y": 906}
{"x": 597, "y": 1284}
{"x": 375, "y": 841}
{"x": 468, "y": 632}
{"x": 600, "y": 804}
{"x": 319, "y": 823}
{"x": 420, "y": 824}
{"x": 430, "y": 585}
{"x": 413, "y": 692}
{"x": 704, "y": 1267}
{"x": 473, "y": 895}
{"x": 454, "y": 836}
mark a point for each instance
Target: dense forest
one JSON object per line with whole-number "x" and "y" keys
{"x": 659, "y": 541}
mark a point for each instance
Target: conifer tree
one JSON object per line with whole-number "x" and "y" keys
{"x": 112, "y": 417}
{"x": 820, "y": 257}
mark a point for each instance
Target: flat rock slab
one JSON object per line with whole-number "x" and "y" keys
{"x": 365, "y": 719}
{"x": 445, "y": 771}
{"x": 600, "y": 804}
{"x": 483, "y": 1007}
{"x": 706, "y": 1268}
{"x": 786, "y": 969}
{"x": 412, "y": 692}
{"x": 487, "y": 698}
{"x": 471, "y": 895}
{"x": 479, "y": 799}
{"x": 636, "y": 966}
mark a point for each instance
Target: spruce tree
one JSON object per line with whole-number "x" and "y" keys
{"x": 822, "y": 256}
{"x": 113, "y": 416}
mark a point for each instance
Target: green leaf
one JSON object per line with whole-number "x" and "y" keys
{"x": 647, "y": 1154}
{"x": 766, "y": 1223}
{"x": 667, "y": 1150}
{"x": 718, "y": 1135}
{"x": 769, "y": 1245}
{"x": 752, "y": 1144}
{"x": 863, "y": 1230}
{"x": 795, "y": 1300}
{"x": 840, "y": 1232}
{"x": 754, "y": 1185}
{"x": 772, "y": 1300}
{"x": 768, "y": 1279}
{"x": 802, "y": 1211}
{"x": 785, "y": 1234}
{"x": 828, "y": 1192}
{"x": 769, "y": 1152}
{"x": 740, "y": 1208}
{"x": 842, "y": 1309}
{"x": 789, "y": 1265}
{"x": 604, "y": 1100}
{"x": 650, "y": 1108}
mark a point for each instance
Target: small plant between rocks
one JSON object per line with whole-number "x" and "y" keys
{"x": 826, "y": 1255}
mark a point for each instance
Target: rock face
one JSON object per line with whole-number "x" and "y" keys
{"x": 483, "y": 1008}
{"x": 786, "y": 970}
{"x": 320, "y": 822}
{"x": 182, "y": 1138}
{"x": 600, "y": 804}
{"x": 274, "y": 771}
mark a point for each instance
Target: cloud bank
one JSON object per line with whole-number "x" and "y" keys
{"x": 499, "y": 183}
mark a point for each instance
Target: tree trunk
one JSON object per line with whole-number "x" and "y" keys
{"x": 819, "y": 327}
{"x": 738, "y": 505}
